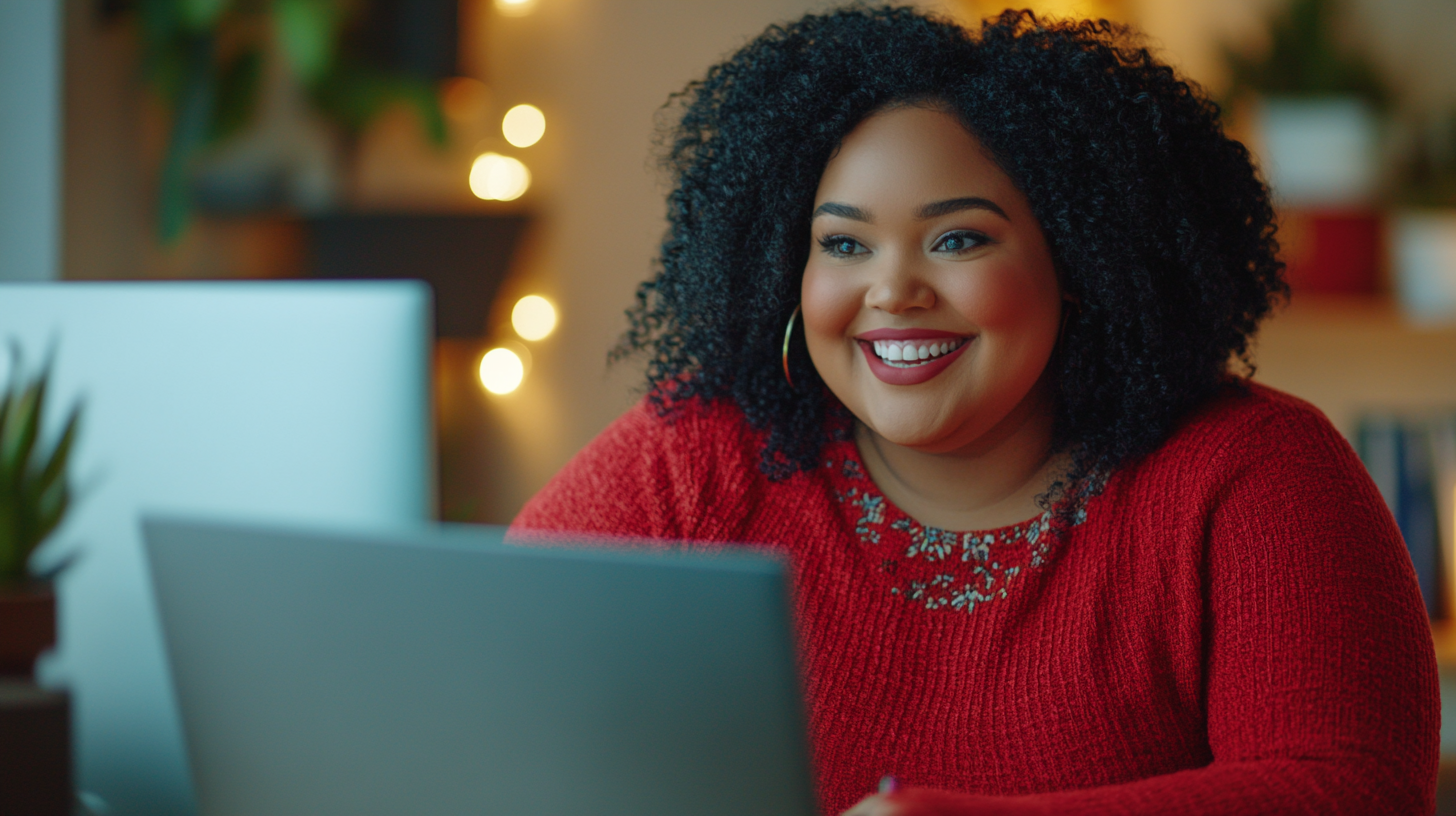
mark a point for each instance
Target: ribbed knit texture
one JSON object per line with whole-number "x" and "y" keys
{"x": 1234, "y": 628}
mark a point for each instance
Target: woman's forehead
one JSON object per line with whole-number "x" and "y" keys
{"x": 907, "y": 156}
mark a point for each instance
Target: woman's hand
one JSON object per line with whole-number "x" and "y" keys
{"x": 874, "y": 805}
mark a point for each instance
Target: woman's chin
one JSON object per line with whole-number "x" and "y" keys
{"x": 917, "y": 435}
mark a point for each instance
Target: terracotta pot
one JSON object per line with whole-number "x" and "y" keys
{"x": 27, "y": 626}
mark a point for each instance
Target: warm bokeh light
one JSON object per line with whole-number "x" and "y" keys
{"x": 515, "y": 8}
{"x": 524, "y": 125}
{"x": 1081, "y": 9}
{"x": 501, "y": 371}
{"x": 533, "y": 317}
{"x": 494, "y": 177}
{"x": 464, "y": 99}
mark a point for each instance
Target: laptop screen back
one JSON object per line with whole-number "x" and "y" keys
{"x": 443, "y": 672}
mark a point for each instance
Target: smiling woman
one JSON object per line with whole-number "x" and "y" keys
{"x": 912, "y": 251}
{"x": 1053, "y": 551}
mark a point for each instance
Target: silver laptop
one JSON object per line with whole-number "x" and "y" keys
{"x": 297, "y": 400}
{"x": 445, "y": 672}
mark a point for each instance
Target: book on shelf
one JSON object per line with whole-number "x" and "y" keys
{"x": 1412, "y": 461}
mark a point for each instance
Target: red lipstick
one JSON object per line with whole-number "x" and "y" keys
{"x": 913, "y": 375}
{"x": 906, "y": 334}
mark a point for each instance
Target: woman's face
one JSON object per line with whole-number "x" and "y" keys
{"x": 931, "y": 305}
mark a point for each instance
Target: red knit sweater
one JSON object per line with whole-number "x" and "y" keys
{"x": 1232, "y": 628}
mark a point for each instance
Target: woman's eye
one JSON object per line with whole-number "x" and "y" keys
{"x": 960, "y": 241}
{"x": 841, "y": 246}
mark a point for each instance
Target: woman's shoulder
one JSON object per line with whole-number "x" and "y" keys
{"x": 1249, "y": 439}
{"x": 685, "y": 429}
{"x": 1253, "y": 419}
{"x": 649, "y": 473}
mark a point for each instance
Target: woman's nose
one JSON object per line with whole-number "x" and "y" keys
{"x": 899, "y": 289}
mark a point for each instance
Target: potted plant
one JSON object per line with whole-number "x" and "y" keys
{"x": 1423, "y": 233}
{"x": 226, "y": 71}
{"x": 35, "y": 492}
{"x": 1315, "y": 104}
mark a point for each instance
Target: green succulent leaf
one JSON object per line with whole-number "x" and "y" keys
{"x": 35, "y": 492}
{"x": 12, "y": 554}
{"x": 53, "y": 470}
{"x": 306, "y": 29}
{"x": 21, "y": 428}
{"x": 5, "y": 478}
{"x": 50, "y": 507}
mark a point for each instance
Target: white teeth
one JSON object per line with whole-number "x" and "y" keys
{"x": 910, "y": 351}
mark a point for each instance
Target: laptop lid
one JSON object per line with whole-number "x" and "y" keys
{"x": 444, "y": 672}
{"x": 297, "y": 400}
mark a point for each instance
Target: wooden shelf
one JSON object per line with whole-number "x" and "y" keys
{"x": 1350, "y": 355}
{"x": 1443, "y": 634}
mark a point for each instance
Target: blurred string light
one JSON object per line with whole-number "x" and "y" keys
{"x": 501, "y": 371}
{"x": 533, "y": 317}
{"x": 494, "y": 177}
{"x": 524, "y": 125}
{"x": 515, "y": 8}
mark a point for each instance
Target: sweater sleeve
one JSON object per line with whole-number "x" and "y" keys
{"x": 644, "y": 478}
{"x": 1322, "y": 695}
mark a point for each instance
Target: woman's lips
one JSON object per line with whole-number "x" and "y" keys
{"x": 908, "y": 342}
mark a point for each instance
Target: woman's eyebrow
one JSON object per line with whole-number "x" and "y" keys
{"x": 951, "y": 205}
{"x": 843, "y": 211}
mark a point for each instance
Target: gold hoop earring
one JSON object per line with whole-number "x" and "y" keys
{"x": 789, "y": 333}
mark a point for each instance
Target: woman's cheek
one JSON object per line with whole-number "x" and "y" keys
{"x": 830, "y": 305}
{"x": 1006, "y": 298}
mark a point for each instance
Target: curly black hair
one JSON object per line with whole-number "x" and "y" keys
{"x": 1160, "y": 228}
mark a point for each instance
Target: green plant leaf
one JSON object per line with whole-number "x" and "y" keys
{"x": 189, "y": 132}
{"x": 35, "y": 492}
{"x": 306, "y": 30}
{"x": 354, "y": 95}
{"x": 160, "y": 19}
{"x": 236, "y": 94}
{"x": 5, "y": 477}
{"x": 54, "y": 468}
{"x": 12, "y": 557}
{"x": 201, "y": 15}
{"x": 1306, "y": 59}
{"x": 22, "y": 426}
{"x": 50, "y": 508}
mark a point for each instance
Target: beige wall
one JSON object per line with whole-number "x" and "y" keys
{"x": 600, "y": 70}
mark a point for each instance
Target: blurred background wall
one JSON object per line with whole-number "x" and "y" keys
{"x": 599, "y": 70}
{"x": 30, "y": 122}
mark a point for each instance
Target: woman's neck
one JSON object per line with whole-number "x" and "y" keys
{"x": 992, "y": 483}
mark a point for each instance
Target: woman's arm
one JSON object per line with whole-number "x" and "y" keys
{"x": 1322, "y": 696}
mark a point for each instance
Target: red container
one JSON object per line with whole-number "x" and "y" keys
{"x": 1331, "y": 252}
{"x": 27, "y": 627}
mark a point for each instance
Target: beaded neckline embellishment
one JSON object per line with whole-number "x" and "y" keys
{"x": 943, "y": 569}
